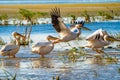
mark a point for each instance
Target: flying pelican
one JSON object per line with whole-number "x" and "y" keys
{"x": 99, "y": 39}
{"x": 11, "y": 49}
{"x": 43, "y": 48}
{"x": 66, "y": 34}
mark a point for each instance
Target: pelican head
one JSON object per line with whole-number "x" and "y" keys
{"x": 80, "y": 25}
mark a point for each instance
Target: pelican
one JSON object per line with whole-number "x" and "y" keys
{"x": 99, "y": 39}
{"x": 43, "y": 48}
{"x": 66, "y": 34}
{"x": 19, "y": 36}
{"x": 11, "y": 49}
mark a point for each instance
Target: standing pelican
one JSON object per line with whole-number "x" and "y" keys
{"x": 66, "y": 34}
{"x": 11, "y": 49}
{"x": 43, "y": 48}
{"x": 99, "y": 39}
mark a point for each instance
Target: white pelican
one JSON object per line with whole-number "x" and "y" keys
{"x": 19, "y": 36}
{"x": 99, "y": 39}
{"x": 11, "y": 49}
{"x": 66, "y": 34}
{"x": 43, "y": 48}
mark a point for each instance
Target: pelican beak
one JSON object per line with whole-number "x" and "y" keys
{"x": 112, "y": 38}
{"x": 85, "y": 28}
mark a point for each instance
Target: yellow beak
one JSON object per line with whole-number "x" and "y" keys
{"x": 85, "y": 28}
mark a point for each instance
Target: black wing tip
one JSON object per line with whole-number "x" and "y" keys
{"x": 80, "y": 22}
{"x": 55, "y": 12}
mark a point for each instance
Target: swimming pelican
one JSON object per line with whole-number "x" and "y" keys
{"x": 66, "y": 34}
{"x": 43, "y": 48}
{"x": 11, "y": 49}
{"x": 99, "y": 39}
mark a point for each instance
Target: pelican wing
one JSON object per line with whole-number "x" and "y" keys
{"x": 95, "y": 35}
{"x": 57, "y": 22}
{"x": 8, "y": 47}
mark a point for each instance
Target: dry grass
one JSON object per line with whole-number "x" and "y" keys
{"x": 66, "y": 9}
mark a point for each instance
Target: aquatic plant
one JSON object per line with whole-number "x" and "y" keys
{"x": 86, "y": 15}
{"x": 56, "y": 78}
{"x": 105, "y": 16}
{"x": 28, "y": 15}
{"x": 41, "y": 14}
{"x": 101, "y": 13}
{"x": 118, "y": 70}
{"x": 73, "y": 19}
{"x": 4, "y": 17}
{"x": 2, "y": 42}
{"x": 72, "y": 55}
{"x": 8, "y": 74}
{"x": 75, "y": 54}
{"x": 108, "y": 16}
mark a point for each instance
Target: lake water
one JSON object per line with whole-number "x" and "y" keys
{"x": 29, "y": 66}
{"x": 39, "y": 32}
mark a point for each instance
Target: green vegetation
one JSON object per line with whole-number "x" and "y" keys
{"x": 73, "y": 18}
{"x": 105, "y": 16}
{"x": 4, "y": 17}
{"x": 74, "y": 54}
{"x": 86, "y": 15}
{"x": 2, "y": 42}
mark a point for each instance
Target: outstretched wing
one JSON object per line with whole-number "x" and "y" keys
{"x": 95, "y": 35}
{"x": 57, "y": 22}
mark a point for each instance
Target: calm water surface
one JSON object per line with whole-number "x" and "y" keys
{"x": 29, "y": 66}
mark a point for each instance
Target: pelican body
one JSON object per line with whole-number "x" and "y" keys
{"x": 42, "y": 48}
{"x": 66, "y": 34}
{"x": 10, "y": 49}
{"x": 99, "y": 39}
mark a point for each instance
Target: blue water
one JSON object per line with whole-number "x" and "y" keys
{"x": 48, "y": 28}
{"x": 54, "y": 1}
{"x": 43, "y": 30}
